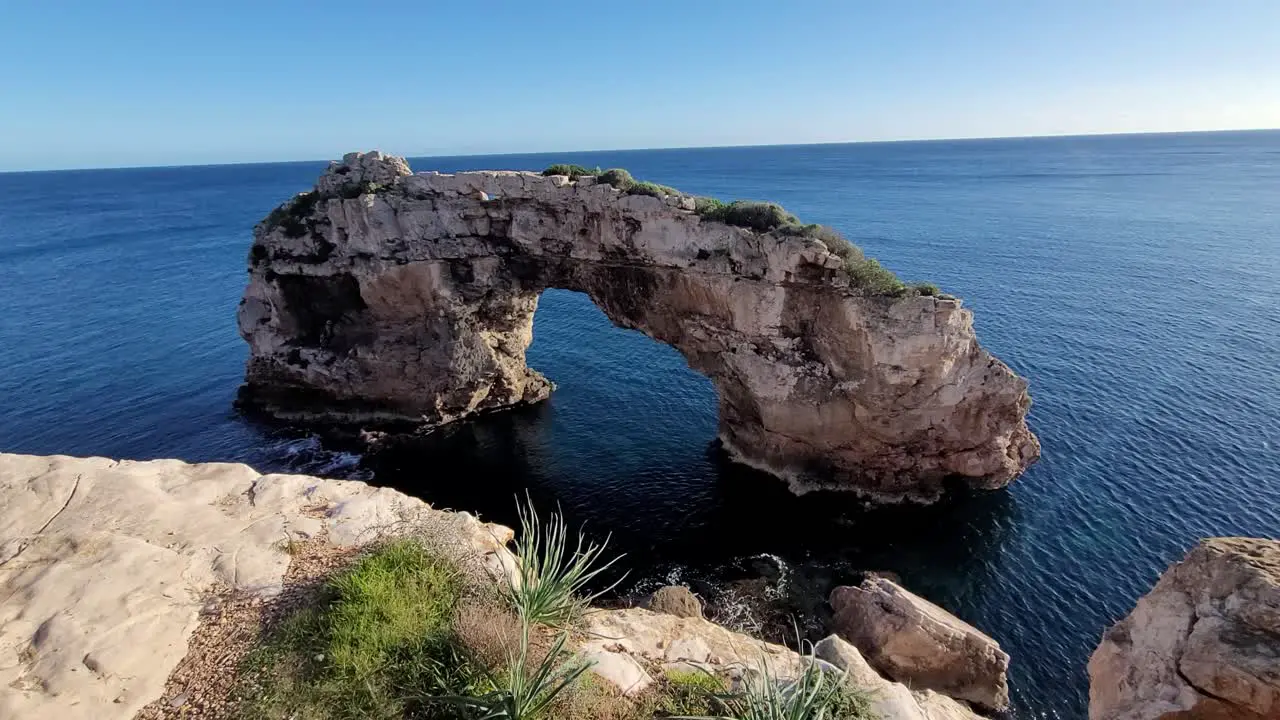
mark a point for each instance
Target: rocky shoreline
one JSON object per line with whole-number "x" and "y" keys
{"x": 123, "y": 582}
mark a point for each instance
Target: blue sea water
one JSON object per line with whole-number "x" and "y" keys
{"x": 1133, "y": 279}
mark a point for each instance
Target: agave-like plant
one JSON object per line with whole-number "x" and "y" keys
{"x": 816, "y": 694}
{"x": 549, "y": 575}
{"x": 526, "y": 688}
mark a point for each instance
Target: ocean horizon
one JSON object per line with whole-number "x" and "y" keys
{"x": 1132, "y": 278}
{"x": 442, "y": 155}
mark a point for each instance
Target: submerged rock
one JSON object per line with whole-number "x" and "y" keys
{"x": 913, "y": 641}
{"x": 385, "y": 298}
{"x": 1204, "y": 644}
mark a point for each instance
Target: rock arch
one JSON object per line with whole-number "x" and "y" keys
{"x": 387, "y": 297}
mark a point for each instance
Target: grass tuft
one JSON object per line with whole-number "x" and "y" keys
{"x": 927, "y": 289}
{"x": 362, "y": 650}
{"x": 550, "y": 576}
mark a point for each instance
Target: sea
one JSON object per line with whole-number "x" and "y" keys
{"x": 1135, "y": 280}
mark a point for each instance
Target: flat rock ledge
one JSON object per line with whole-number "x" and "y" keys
{"x": 916, "y": 642}
{"x": 388, "y": 299}
{"x": 105, "y": 565}
{"x": 1204, "y": 644}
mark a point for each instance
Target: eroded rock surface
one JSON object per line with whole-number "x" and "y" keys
{"x": 1204, "y": 644}
{"x": 914, "y": 641}
{"x": 385, "y": 297}
{"x": 105, "y": 565}
{"x": 622, "y": 642}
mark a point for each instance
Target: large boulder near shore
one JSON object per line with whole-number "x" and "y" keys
{"x": 913, "y": 641}
{"x": 388, "y": 299}
{"x": 1204, "y": 644}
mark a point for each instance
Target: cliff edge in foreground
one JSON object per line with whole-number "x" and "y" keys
{"x": 383, "y": 297}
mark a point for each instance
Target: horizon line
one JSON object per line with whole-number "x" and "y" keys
{"x": 411, "y": 156}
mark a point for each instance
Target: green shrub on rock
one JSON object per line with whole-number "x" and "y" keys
{"x": 869, "y": 275}
{"x": 752, "y": 214}
{"x": 617, "y": 177}
{"x": 573, "y": 171}
{"x": 651, "y": 189}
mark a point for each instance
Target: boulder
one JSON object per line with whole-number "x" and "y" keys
{"x": 391, "y": 299}
{"x": 1204, "y": 644}
{"x": 913, "y": 641}
{"x": 675, "y": 600}
{"x": 889, "y": 700}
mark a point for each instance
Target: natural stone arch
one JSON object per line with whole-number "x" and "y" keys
{"x": 385, "y": 297}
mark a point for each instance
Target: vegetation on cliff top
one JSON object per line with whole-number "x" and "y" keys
{"x": 864, "y": 273}
{"x": 404, "y": 633}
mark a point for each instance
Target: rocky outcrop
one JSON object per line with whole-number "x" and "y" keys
{"x": 889, "y": 700}
{"x": 675, "y": 600}
{"x": 384, "y": 297}
{"x": 105, "y": 565}
{"x": 913, "y": 641}
{"x": 1204, "y": 644}
{"x": 622, "y": 643}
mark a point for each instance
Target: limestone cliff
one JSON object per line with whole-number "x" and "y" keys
{"x": 384, "y": 297}
{"x": 1204, "y": 644}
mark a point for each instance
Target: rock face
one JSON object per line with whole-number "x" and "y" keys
{"x": 105, "y": 565}
{"x": 384, "y": 297}
{"x": 913, "y": 641}
{"x": 1204, "y": 644}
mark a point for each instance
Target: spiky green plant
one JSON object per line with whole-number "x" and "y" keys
{"x": 527, "y": 687}
{"x": 816, "y": 694}
{"x": 549, "y": 575}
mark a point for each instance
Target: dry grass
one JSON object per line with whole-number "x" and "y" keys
{"x": 230, "y": 626}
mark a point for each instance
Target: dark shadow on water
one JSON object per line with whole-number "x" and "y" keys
{"x": 711, "y": 521}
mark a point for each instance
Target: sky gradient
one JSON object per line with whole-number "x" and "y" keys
{"x": 164, "y": 83}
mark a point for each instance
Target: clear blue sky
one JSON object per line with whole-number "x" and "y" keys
{"x": 86, "y": 84}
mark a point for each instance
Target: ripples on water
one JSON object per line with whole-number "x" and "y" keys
{"x": 1133, "y": 279}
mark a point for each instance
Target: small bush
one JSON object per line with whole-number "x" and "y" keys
{"x": 617, "y": 177}
{"x": 651, "y": 189}
{"x": 927, "y": 289}
{"x": 573, "y": 171}
{"x": 830, "y": 237}
{"x": 550, "y": 575}
{"x": 869, "y": 275}
{"x": 708, "y": 207}
{"x": 760, "y": 216}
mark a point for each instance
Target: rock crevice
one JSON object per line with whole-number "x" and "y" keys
{"x": 384, "y": 297}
